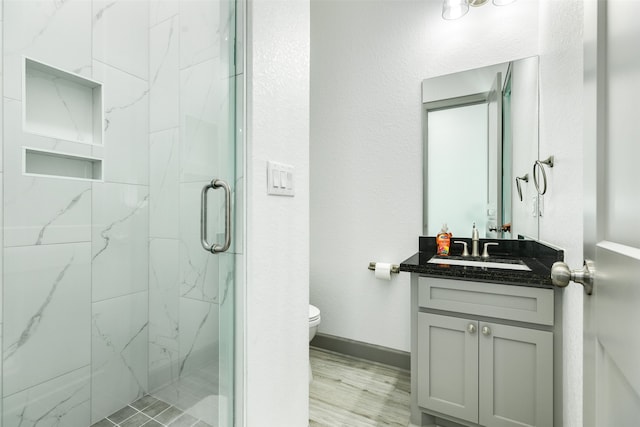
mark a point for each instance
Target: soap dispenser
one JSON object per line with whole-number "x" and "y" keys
{"x": 443, "y": 240}
{"x": 475, "y": 241}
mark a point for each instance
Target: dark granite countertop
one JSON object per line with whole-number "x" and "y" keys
{"x": 537, "y": 256}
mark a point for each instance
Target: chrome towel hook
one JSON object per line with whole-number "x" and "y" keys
{"x": 524, "y": 178}
{"x": 539, "y": 165}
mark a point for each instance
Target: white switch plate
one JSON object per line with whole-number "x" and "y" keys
{"x": 280, "y": 179}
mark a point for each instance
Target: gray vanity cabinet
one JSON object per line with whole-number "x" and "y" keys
{"x": 516, "y": 376}
{"x": 477, "y": 360}
{"x": 448, "y": 365}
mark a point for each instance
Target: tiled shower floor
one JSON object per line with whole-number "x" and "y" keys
{"x": 150, "y": 412}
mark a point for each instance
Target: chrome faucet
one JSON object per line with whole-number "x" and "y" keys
{"x": 475, "y": 241}
{"x": 485, "y": 252}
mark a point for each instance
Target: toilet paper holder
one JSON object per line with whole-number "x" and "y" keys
{"x": 394, "y": 268}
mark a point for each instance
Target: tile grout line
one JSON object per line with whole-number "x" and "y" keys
{"x": 141, "y": 411}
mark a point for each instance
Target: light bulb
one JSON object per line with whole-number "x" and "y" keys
{"x": 454, "y": 9}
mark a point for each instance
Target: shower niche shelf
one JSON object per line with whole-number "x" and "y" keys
{"x": 62, "y": 165}
{"x": 62, "y": 105}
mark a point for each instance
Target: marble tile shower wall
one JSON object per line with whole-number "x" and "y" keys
{"x": 100, "y": 276}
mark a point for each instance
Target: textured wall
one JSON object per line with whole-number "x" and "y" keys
{"x": 277, "y": 256}
{"x": 561, "y": 130}
{"x": 368, "y": 61}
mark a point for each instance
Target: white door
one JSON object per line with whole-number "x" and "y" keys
{"x": 612, "y": 211}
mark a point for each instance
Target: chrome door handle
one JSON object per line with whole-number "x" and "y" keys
{"x": 486, "y": 331}
{"x": 561, "y": 275}
{"x": 471, "y": 328}
{"x": 215, "y": 247}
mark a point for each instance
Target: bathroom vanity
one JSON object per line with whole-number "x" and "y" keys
{"x": 486, "y": 342}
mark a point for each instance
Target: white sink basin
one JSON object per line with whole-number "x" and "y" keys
{"x": 519, "y": 265}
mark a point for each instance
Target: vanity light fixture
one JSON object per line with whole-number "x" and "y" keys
{"x": 455, "y": 9}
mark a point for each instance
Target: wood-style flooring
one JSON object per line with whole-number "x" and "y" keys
{"x": 352, "y": 392}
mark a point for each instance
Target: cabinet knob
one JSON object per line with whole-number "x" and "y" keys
{"x": 486, "y": 330}
{"x": 471, "y": 328}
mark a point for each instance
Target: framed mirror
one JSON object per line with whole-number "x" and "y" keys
{"x": 480, "y": 133}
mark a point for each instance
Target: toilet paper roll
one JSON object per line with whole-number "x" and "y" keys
{"x": 383, "y": 270}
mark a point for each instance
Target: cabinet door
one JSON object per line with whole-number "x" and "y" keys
{"x": 448, "y": 365}
{"x": 516, "y": 376}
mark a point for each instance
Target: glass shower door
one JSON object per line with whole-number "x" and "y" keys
{"x": 115, "y": 115}
{"x": 191, "y": 325}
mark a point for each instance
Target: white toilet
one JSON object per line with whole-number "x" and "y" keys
{"x": 314, "y": 321}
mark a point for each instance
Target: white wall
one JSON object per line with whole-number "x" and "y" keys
{"x": 277, "y": 251}
{"x": 524, "y": 87}
{"x": 368, "y": 61}
{"x": 561, "y": 134}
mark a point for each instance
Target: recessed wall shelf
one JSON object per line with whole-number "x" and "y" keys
{"x": 52, "y": 164}
{"x": 60, "y": 104}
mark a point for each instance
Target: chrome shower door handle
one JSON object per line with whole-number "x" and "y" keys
{"x": 215, "y": 247}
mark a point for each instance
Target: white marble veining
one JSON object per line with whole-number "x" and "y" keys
{"x": 126, "y": 127}
{"x": 164, "y": 314}
{"x": 41, "y": 210}
{"x": 226, "y": 278}
{"x": 119, "y": 240}
{"x": 204, "y": 35}
{"x": 63, "y": 401}
{"x": 46, "y": 313}
{"x": 159, "y": 10}
{"x": 37, "y": 29}
{"x": 121, "y": 35}
{"x": 164, "y": 66}
{"x": 194, "y": 389}
{"x": 107, "y": 291}
{"x": 16, "y": 138}
{"x": 63, "y": 218}
{"x": 199, "y": 269}
{"x": 206, "y": 124}
{"x": 164, "y": 188}
{"x": 199, "y": 323}
{"x": 119, "y": 353}
{"x": 59, "y": 105}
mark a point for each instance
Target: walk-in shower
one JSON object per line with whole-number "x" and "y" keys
{"x": 115, "y": 116}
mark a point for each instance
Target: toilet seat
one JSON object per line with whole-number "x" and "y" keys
{"x": 314, "y": 313}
